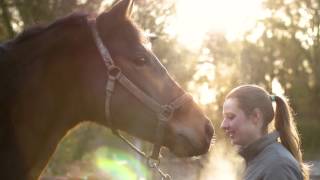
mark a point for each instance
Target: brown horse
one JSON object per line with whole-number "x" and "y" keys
{"x": 53, "y": 78}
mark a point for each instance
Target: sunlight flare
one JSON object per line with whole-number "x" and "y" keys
{"x": 202, "y": 91}
{"x": 277, "y": 88}
{"x": 207, "y": 95}
{"x": 195, "y": 18}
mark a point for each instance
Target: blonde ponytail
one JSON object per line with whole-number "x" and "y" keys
{"x": 289, "y": 136}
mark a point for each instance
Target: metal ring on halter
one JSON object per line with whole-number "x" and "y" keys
{"x": 166, "y": 112}
{"x": 114, "y": 71}
{"x": 153, "y": 163}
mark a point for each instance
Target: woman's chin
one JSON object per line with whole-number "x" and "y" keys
{"x": 234, "y": 142}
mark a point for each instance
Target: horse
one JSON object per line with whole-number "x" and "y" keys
{"x": 80, "y": 69}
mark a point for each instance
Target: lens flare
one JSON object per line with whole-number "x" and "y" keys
{"x": 120, "y": 165}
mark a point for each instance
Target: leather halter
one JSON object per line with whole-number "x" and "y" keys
{"x": 164, "y": 112}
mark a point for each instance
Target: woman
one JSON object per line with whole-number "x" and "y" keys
{"x": 248, "y": 113}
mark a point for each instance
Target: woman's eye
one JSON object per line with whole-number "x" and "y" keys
{"x": 140, "y": 61}
{"x": 230, "y": 116}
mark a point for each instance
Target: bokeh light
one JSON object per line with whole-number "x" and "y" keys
{"x": 120, "y": 165}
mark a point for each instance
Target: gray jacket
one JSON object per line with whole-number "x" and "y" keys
{"x": 267, "y": 159}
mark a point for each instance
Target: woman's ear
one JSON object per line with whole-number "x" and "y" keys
{"x": 257, "y": 117}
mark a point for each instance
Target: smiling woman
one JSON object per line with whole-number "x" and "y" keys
{"x": 232, "y": 17}
{"x": 248, "y": 114}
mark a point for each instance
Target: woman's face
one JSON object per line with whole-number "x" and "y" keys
{"x": 240, "y": 128}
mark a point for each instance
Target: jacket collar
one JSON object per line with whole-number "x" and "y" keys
{"x": 252, "y": 150}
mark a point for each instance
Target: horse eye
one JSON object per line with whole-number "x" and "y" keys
{"x": 140, "y": 61}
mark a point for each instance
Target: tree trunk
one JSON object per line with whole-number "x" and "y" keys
{"x": 6, "y": 18}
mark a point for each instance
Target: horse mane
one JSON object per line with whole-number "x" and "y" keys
{"x": 39, "y": 29}
{"x": 131, "y": 30}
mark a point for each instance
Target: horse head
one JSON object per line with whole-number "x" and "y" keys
{"x": 188, "y": 132}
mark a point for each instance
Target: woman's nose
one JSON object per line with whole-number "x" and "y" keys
{"x": 224, "y": 124}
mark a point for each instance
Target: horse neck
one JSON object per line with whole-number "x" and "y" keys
{"x": 48, "y": 103}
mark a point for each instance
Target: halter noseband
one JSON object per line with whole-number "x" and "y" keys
{"x": 164, "y": 112}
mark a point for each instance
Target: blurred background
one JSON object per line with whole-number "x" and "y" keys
{"x": 209, "y": 47}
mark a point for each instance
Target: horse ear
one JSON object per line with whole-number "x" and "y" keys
{"x": 122, "y": 9}
{"x": 119, "y": 12}
{"x": 130, "y": 9}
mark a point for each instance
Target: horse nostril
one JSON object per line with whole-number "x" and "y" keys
{"x": 209, "y": 130}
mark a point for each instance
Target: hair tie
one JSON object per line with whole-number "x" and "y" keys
{"x": 273, "y": 98}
